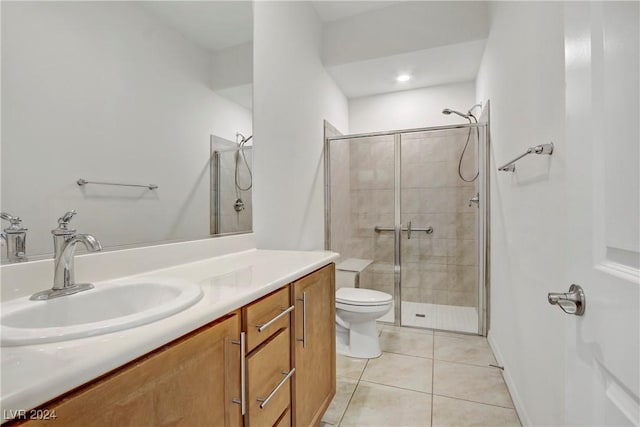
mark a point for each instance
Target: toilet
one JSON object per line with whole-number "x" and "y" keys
{"x": 357, "y": 310}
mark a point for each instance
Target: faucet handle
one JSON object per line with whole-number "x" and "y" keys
{"x": 63, "y": 224}
{"x": 14, "y": 220}
{"x": 63, "y": 221}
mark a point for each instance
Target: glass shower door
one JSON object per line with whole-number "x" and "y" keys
{"x": 362, "y": 210}
{"x": 439, "y": 256}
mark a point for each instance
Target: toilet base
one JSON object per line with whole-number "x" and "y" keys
{"x": 361, "y": 340}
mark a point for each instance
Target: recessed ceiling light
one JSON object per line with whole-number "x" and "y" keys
{"x": 403, "y": 78}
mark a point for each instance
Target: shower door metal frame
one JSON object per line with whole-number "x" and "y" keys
{"x": 483, "y": 207}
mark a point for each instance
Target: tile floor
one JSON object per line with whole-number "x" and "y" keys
{"x": 422, "y": 379}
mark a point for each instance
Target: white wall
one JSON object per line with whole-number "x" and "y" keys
{"x": 293, "y": 94}
{"x": 410, "y": 109}
{"x": 522, "y": 73}
{"x": 104, "y": 91}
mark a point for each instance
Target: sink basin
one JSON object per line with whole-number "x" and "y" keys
{"x": 109, "y": 307}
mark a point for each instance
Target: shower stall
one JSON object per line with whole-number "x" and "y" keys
{"x": 409, "y": 206}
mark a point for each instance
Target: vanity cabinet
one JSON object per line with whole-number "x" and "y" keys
{"x": 282, "y": 346}
{"x": 190, "y": 382}
{"x": 314, "y": 347}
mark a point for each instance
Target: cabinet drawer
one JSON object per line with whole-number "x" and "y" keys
{"x": 265, "y": 317}
{"x": 269, "y": 381}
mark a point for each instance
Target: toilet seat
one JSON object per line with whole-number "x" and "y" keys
{"x": 362, "y": 297}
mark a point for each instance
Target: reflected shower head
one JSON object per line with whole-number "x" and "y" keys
{"x": 448, "y": 111}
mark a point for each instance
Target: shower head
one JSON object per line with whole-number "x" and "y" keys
{"x": 448, "y": 111}
{"x": 242, "y": 139}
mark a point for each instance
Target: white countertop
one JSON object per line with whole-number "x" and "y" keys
{"x": 32, "y": 375}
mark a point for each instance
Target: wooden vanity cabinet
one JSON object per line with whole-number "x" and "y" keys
{"x": 314, "y": 345}
{"x": 189, "y": 382}
{"x": 289, "y": 359}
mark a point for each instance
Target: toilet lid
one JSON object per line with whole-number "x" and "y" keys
{"x": 360, "y": 296}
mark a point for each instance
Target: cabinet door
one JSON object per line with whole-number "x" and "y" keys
{"x": 314, "y": 345}
{"x": 191, "y": 382}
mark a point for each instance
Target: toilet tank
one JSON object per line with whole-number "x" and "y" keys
{"x": 348, "y": 272}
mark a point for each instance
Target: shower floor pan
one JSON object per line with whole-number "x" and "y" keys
{"x": 437, "y": 316}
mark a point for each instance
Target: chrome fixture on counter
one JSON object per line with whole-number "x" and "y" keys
{"x": 538, "y": 149}
{"x": 572, "y": 302}
{"x": 16, "y": 238}
{"x": 83, "y": 181}
{"x": 64, "y": 243}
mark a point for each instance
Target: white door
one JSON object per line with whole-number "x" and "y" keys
{"x": 602, "y": 102}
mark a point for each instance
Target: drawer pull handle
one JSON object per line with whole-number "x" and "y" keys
{"x": 261, "y": 327}
{"x": 243, "y": 369}
{"x": 304, "y": 320}
{"x": 263, "y": 402}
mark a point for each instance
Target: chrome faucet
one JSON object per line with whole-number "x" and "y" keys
{"x": 16, "y": 238}
{"x": 64, "y": 243}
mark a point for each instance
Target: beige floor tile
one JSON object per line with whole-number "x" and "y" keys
{"x": 472, "y": 350}
{"x": 349, "y": 367}
{"x": 475, "y": 383}
{"x": 459, "y": 413}
{"x": 398, "y": 370}
{"x": 344, "y": 390}
{"x": 406, "y": 342}
{"x": 375, "y": 405}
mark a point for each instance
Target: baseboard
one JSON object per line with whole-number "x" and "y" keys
{"x": 508, "y": 379}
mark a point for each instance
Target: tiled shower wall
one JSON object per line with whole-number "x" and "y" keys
{"x": 440, "y": 268}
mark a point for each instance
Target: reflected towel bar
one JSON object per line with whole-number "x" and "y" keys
{"x": 538, "y": 149}
{"x": 82, "y": 182}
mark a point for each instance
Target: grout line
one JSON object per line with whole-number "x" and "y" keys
{"x": 397, "y": 387}
{"x": 470, "y": 364}
{"x": 475, "y": 401}
{"x": 353, "y": 393}
{"x": 346, "y": 408}
{"x": 410, "y": 355}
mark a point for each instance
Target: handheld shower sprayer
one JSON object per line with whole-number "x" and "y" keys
{"x": 468, "y": 116}
{"x": 448, "y": 111}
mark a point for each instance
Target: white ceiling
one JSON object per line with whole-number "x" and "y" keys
{"x": 429, "y": 67}
{"x": 214, "y": 25}
{"x": 437, "y": 42}
{"x": 365, "y": 43}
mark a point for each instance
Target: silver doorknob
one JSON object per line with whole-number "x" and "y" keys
{"x": 572, "y": 302}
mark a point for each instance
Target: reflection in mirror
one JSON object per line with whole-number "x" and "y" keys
{"x": 231, "y": 184}
{"x": 125, "y": 93}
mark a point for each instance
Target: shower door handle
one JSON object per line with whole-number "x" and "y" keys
{"x": 428, "y": 230}
{"x": 409, "y": 230}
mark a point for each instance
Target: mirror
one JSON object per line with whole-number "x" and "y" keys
{"x": 122, "y": 93}
{"x": 231, "y": 185}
